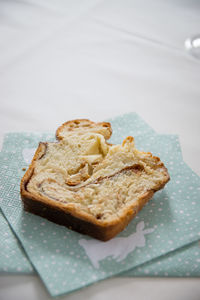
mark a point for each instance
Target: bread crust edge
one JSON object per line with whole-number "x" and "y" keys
{"x": 68, "y": 215}
{"x": 60, "y": 128}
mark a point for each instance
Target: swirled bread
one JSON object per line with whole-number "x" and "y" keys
{"x": 83, "y": 182}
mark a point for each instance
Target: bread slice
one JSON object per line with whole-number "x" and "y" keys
{"x": 83, "y": 182}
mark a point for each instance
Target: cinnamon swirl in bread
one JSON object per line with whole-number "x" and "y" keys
{"x": 83, "y": 182}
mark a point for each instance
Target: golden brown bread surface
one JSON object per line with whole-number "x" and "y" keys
{"x": 83, "y": 182}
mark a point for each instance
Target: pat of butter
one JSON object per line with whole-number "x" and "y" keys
{"x": 91, "y": 159}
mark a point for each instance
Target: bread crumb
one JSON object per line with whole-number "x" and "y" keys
{"x": 23, "y": 169}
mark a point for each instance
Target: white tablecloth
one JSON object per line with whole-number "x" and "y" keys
{"x": 96, "y": 59}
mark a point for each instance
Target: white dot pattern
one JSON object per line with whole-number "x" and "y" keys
{"x": 175, "y": 264}
{"x": 54, "y": 250}
{"x": 12, "y": 257}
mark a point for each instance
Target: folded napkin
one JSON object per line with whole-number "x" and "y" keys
{"x": 13, "y": 259}
{"x": 184, "y": 261}
{"x": 169, "y": 220}
{"x": 64, "y": 259}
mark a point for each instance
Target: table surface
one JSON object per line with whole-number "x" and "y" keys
{"x": 96, "y": 59}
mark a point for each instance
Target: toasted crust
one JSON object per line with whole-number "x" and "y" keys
{"x": 67, "y": 214}
{"x": 78, "y": 123}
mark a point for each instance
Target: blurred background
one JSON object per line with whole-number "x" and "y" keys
{"x": 96, "y": 59}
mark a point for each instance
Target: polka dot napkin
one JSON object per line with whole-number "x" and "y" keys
{"x": 65, "y": 260}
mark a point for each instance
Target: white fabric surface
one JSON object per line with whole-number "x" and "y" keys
{"x": 61, "y": 60}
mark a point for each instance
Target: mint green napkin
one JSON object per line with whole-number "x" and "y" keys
{"x": 184, "y": 261}
{"x": 13, "y": 258}
{"x": 168, "y": 222}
